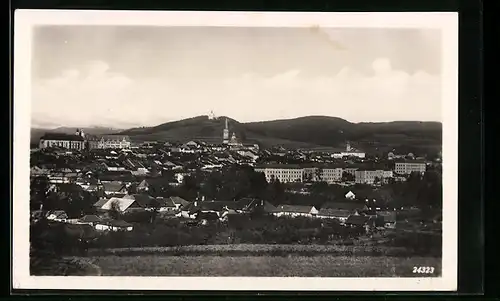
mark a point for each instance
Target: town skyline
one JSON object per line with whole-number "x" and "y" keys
{"x": 144, "y": 76}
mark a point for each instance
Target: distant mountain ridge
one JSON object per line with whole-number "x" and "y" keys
{"x": 302, "y": 132}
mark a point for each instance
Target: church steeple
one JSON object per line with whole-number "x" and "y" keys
{"x": 225, "y": 133}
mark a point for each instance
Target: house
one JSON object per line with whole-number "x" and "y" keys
{"x": 36, "y": 215}
{"x": 114, "y": 188}
{"x": 100, "y": 203}
{"x": 178, "y": 202}
{"x": 143, "y": 186}
{"x": 145, "y": 202}
{"x": 389, "y": 218}
{"x": 119, "y": 225}
{"x": 90, "y": 220}
{"x": 104, "y": 224}
{"x": 57, "y": 216}
{"x": 191, "y": 144}
{"x": 113, "y": 166}
{"x": 357, "y": 220}
{"x": 352, "y": 207}
{"x": 338, "y": 214}
{"x": 90, "y": 187}
{"x": 38, "y": 171}
{"x": 295, "y": 211}
{"x": 206, "y": 217}
{"x": 268, "y": 208}
{"x": 166, "y": 204}
{"x": 218, "y": 207}
{"x": 122, "y": 204}
{"x": 350, "y": 195}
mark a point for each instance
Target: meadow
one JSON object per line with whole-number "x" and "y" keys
{"x": 264, "y": 266}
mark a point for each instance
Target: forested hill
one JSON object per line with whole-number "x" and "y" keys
{"x": 303, "y": 132}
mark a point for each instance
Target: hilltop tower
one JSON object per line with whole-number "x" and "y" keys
{"x": 225, "y": 134}
{"x": 211, "y": 116}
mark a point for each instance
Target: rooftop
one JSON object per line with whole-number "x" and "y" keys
{"x": 62, "y": 137}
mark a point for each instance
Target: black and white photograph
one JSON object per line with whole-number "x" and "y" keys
{"x": 235, "y": 151}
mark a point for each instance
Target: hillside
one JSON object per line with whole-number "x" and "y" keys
{"x": 309, "y": 132}
{"x": 303, "y": 132}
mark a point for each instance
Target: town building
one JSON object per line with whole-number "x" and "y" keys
{"x": 369, "y": 176}
{"x": 295, "y": 211}
{"x": 331, "y": 175}
{"x": 62, "y": 140}
{"x": 350, "y": 152}
{"x": 233, "y": 141}
{"x": 113, "y": 141}
{"x": 284, "y": 173}
{"x": 408, "y": 167}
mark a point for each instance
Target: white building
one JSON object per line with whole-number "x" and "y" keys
{"x": 369, "y": 176}
{"x": 295, "y": 211}
{"x": 283, "y": 173}
{"x": 62, "y": 140}
{"x": 113, "y": 141}
{"x": 407, "y": 167}
{"x": 331, "y": 175}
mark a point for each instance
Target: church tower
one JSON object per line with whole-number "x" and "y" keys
{"x": 225, "y": 134}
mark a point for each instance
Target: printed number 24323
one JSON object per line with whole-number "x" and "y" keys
{"x": 423, "y": 270}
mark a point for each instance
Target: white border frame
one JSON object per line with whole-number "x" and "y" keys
{"x": 24, "y": 20}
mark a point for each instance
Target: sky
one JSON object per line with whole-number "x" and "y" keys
{"x": 122, "y": 76}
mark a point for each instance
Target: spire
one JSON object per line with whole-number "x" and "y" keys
{"x": 225, "y": 134}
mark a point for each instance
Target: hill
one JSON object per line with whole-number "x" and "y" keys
{"x": 303, "y": 132}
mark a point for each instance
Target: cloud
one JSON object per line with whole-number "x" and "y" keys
{"x": 93, "y": 95}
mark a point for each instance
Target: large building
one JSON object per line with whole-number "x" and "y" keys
{"x": 284, "y": 173}
{"x": 369, "y": 176}
{"x": 350, "y": 152}
{"x": 408, "y": 167}
{"x": 108, "y": 141}
{"x": 61, "y": 140}
{"x": 326, "y": 174}
{"x": 331, "y": 175}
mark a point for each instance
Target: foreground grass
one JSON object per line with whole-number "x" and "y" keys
{"x": 71, "y": 266}
{"x": 264, "y": 266}
{"x": 258, "y": 250}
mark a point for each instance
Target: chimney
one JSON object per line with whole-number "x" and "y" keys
{"x": 196, "y": 203}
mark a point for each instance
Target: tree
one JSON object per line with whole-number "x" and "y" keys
{"x": 155, "y": 208}
{"x": 132, "y": 189}
{"x": 115, "y": 211}
{"x": 319, "y": 174}
{"x": 347, "y": 177}
{"x": 39, "y": 191}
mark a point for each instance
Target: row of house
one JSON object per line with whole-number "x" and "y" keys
{"x": 297, "y": 173}
{"x": 341, "y": 211}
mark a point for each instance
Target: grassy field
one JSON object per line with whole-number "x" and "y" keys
{"x": 264, "y": 266}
